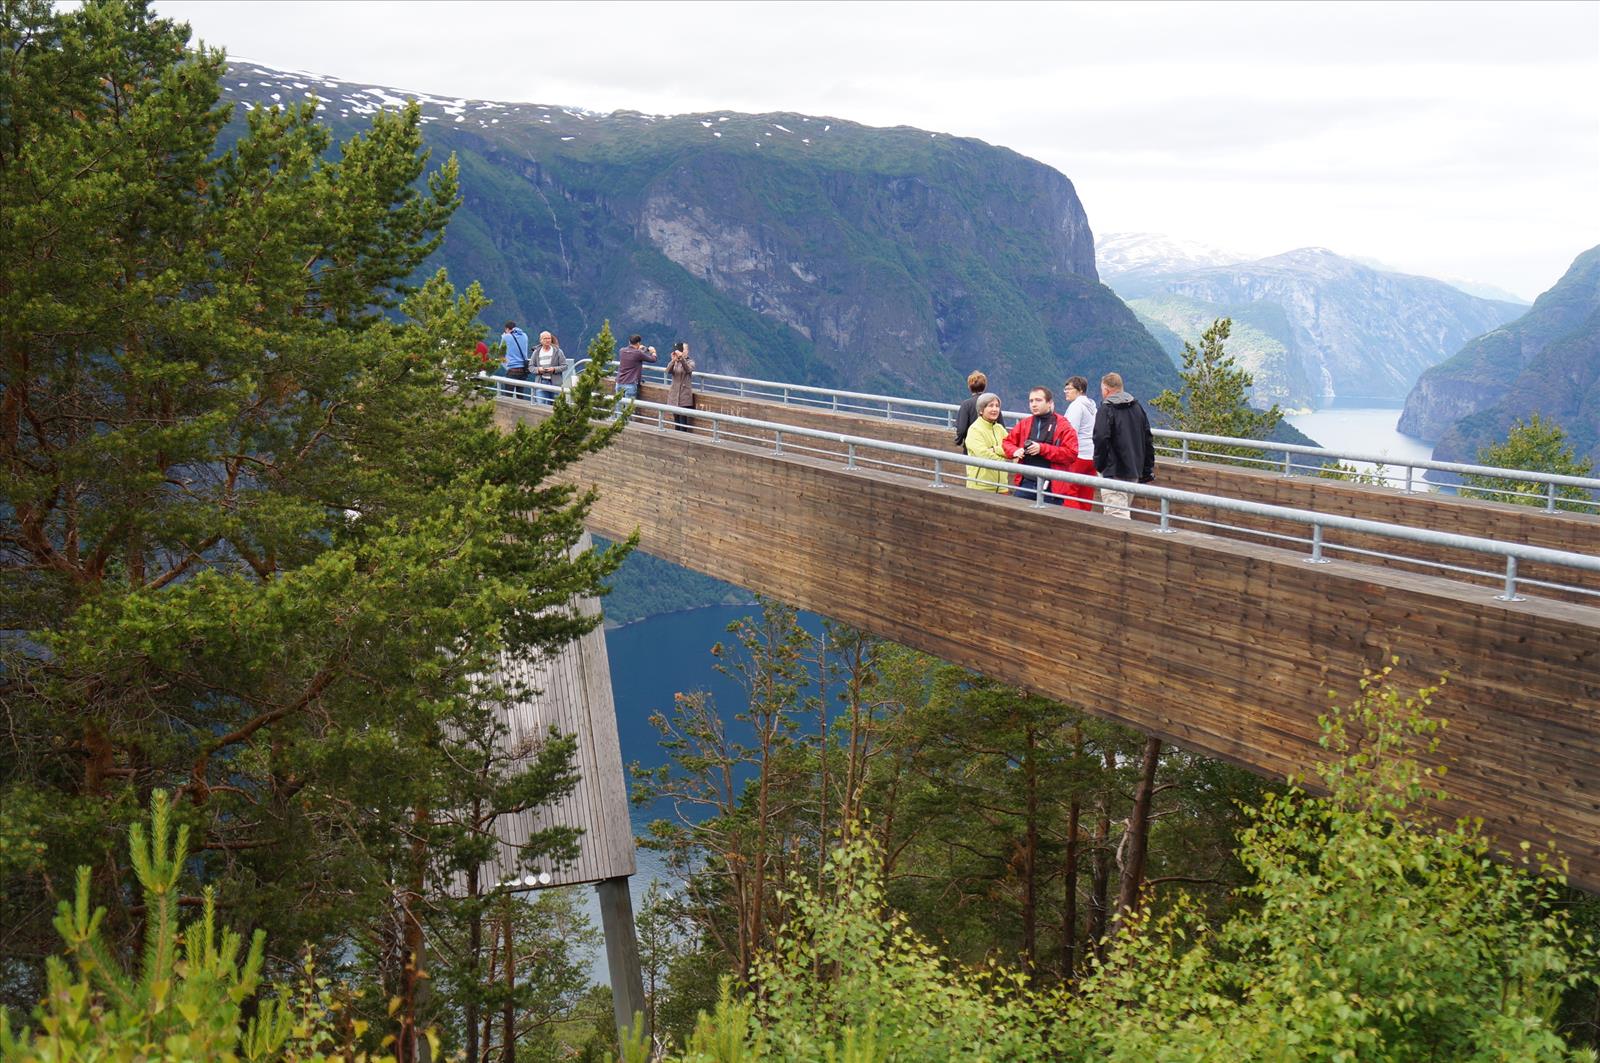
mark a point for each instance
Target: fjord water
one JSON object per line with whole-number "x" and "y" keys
{"x": 1363, "y": 429}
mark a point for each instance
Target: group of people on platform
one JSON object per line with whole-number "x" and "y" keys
{"x": 1111, "y": 440}
{"x": 546, "y": 363}
{"x": 543, "y": 364}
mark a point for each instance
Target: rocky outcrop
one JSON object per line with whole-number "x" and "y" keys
{"x": 780, "y": 245}
{"x": 1347, "y": 331}
{"x": 1546, "y": 362}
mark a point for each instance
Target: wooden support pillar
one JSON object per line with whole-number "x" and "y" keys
{"x": 622, "y": 951}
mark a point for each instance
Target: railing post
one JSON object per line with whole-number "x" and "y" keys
{"x": 661, "y": 420}
{"x": 716, "y": 431}
{"x": 1409, "y": 470}
{"x": 777, "y": 441}
{"x": 1550, "y": 497}
{"x": 850, "y": 452}
{"x": 938, "y": 472}
{"x": 1316, "y": 557}
{"x": 1185, "y": 458}
{"x": 1166, "y": 516}
{"x": 1511, "y": 582}
{"x": 1288, "y": 463}
{"x": 786, "y": 396}
{"x": 835, "y": 402}
{"x": 741, "y": 389}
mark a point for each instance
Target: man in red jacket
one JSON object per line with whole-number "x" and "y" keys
{"x": 1045, "y": 440}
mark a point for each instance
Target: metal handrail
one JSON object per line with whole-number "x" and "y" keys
{"x": 1166, "y": 497}
{"x": 926, "y": 411}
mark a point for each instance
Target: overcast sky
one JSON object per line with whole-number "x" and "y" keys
{"x": 1455, "y": 140}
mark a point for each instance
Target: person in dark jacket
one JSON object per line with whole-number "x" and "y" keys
{"x": 630, "y": 366}
{"x": 1123, "y": 446}
{"x": 977, "y": 383}
{"x": 1043, "y": 439}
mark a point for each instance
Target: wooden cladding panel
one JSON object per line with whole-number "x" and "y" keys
{"x": 1489, "y": 520}
{"x": 570, "y": 691}
{"x": 1225, "y": 647}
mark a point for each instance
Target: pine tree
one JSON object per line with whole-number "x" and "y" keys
{"x": 1214, "y": 399}
{"x": 259, "y": 537}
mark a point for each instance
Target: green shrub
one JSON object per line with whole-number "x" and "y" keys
{"x": 185, "y": 1002}
{"x": 1368, "y": 934}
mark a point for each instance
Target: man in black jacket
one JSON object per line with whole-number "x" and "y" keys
{"x": 1123, "y": 447}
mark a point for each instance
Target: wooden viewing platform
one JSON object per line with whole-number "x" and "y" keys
{"x": 1223, "y": 646}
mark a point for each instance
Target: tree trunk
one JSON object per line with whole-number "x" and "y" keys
{"x": 1069, "y": 902}
{"x": 406, "y": 1049}
{"x": 474, "y": 956}
{"x": 1030, "y": 857}
{"x": 1138, "y": 840}
{"x": 1101, "y": 884}
{"x": 508, "y": 1029}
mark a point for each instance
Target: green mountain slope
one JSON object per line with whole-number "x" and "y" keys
{"x": 1545, "y": 362}
{"x": 780, "y": 245}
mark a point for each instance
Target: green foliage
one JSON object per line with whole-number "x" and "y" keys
{"x": 186, "y": 999}
{"x": 264, "y": 542}
{"x": 1372, "y": 936}
{"x": 845, "y": 966}
{"x": 1534, "y": 445}
{"x": 1367, "y": 936}
{"x": 1349, "y": 473}
{"x": 1214, "y": 399}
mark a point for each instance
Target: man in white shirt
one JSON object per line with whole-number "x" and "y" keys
{"x": 1080, "y": 414}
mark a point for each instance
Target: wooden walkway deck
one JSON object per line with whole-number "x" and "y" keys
{"x": 1225, "y": 647}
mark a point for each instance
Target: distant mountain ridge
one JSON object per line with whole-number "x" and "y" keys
{"x": 1547, "y": 361}
{"x": 791, "y": 246}
{"x": 1143, "y": 254}
{"x": 1319, "y": 327}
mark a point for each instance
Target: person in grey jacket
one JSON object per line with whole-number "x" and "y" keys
{"x": 547, "y": 361}
{"x": 1123, "y": 446}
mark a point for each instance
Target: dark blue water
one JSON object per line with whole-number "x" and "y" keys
{"x": 651, "y": 661}
{"x": 655, "y": 659}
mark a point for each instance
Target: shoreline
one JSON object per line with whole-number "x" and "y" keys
{"x": 609, "y": 626}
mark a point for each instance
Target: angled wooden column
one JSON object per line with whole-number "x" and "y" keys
{"x": 622, "y": 952}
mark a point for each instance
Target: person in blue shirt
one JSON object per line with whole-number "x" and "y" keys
{"x": 514, "y": 342}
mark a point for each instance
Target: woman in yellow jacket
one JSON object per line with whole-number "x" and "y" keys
{"x": 983, "y": 441}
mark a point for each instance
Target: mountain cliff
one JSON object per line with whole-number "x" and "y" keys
{"x": 780, "y": 245}
{"x": 1545, "y": 362}
{"x": 1320, "y": 327}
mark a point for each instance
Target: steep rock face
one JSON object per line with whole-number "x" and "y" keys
{"x": 1545, "y": 362}
{"x": 780, "y": 245}
{"x": 1349, "y": 331}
